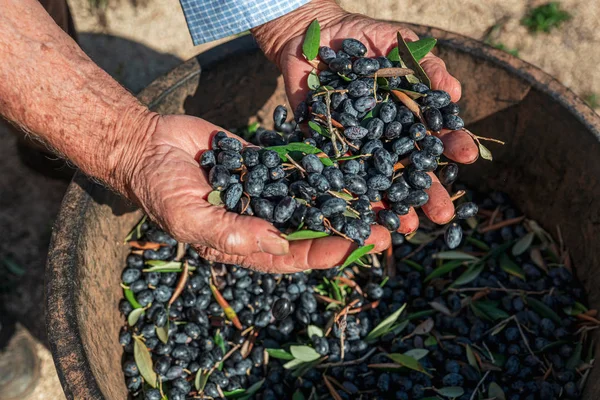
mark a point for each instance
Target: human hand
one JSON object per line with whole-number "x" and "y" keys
{"x": 172, "y": 189}
{"x": 282, "y": 42}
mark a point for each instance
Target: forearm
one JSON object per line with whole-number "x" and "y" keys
{"x": 51, "y": 89}
{"x": 273, "y": 35}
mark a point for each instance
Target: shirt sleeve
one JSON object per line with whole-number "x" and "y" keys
{"x": 210, "y": 20}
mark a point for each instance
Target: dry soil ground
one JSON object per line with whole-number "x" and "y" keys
{"x": 139, "y": 40}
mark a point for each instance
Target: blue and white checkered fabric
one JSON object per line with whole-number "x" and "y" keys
{"x": 210, "y": 20}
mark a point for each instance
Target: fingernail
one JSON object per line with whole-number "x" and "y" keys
{"x": 273, "y": 245}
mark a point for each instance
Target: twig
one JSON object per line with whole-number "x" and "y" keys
{"x": 336, "y": 383}
{"x": 329, "y": 124}
{"x": 329, "y": 226}
{"x": 492, "y": 289}
{"x": 457, "y": 195}
{"x": 502, "y": 224}
{"x": 295, "y": 164}
{"x": 180, "y": 251}
{"x": 181, "y": 284}
{"x": 493, "y": 216}
{"x": 366, "y": 307}
{"x": 479, "y": 384}
{"x": 332, "y": 390}
{"x": 331, "y": 91}
{"x": 347, "y": 363}
{"x": 587, "y": 318}
{"x": 526, "y": 341}
{"x": 391, "y": 72}
{"x": 328, "y": 299}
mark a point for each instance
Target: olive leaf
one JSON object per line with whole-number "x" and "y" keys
{"x": 576, "y": 309}
{"x": 484, "y": 152}
{"x": 135, "y": 315}
{"x": 346, "y": 158}
{"x": 414, "y": 265}
{"x": 298, "y": 395}
{"x": 136, "y": 229}
{"x": 312, "y": 40}
{"x": 358, "y": 253}
{"x": 478, "y": 243}
{"x": 304, "y": 353}
{"x": 451, "y": 391}
{"x": 344, "y": 77}
{"x": 410, "y": 61}
{"x": 214, "y": 198}
{"x": 420, "y": 237}
{"x": 523, "y": 244}
{"x": 131, "y": 298}
{"x": 280, "y": 354}
{"x": 542, "y": 309}
{"x": 234, "y": 394}
{"x": 411, "y": 94}
{"x": 201, "y": 379}
{"x": 418, "y": 48}
{"x": 489, "y": 310}
{"x": 314, "y": 330}
{"x": 496, "y": 392}
{"x": 342, "y": 195}
{"x": 313, "y": 80}
{"x": 384, "y": 326}
{"x": 443, "y": 270}
{"x": 424, "y": 327}
{"x": 252, "y": 390}
{"x": 441, "y": 308}
{"x": 430, "y": 341}
{"x": 319, "y": 129}
{"x": 471, "y": 358}
{"x": 417, "y": 354}
{"x": 143, "y": 359}
{"x": 408, "y": 362}
{"x": 220, "y": 342}
{"x": 293, "y": 363}
{"x": 163, "y": 266}
{"x": 575, "y": 359}
{"x": 304, "y": 235}
{"x": 454, "y": 255}
{"x": 283, "y": 151}
{"x": 163, "y": 333}
{"x": 469, "y": 275}
{"x": 510, "y": 267}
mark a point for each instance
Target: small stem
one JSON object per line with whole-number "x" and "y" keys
{"x": 181, "y": 284}
{"x": 331, "y": 389}
{"x": 347, "y": 363}
{"x": 490, "y": 139}
{"x": 493, "y": 217}
{"x": 457, "y": 195}
{"x": 330, "y": 125}
{"x": 502, "y": 224}
{"x": 479, "y": 384}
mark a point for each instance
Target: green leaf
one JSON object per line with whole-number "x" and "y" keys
{"x": 421, "y": 47}
{"x": 252, "y": 128}
{"x": 430, "y": 341}
{"x": 344, "y": 77}
{"x": 201, "y": 379}
{"x": 384, "y": 325}
{"x": 301, "y": 147}
{"x": 575, "y": 359}
{"x": 414, "y": 265}
{"x": 143, "y": 359}
{"x": 490, "y": 309}
{"x": 523, "y": 244}
{"x": 304, "y": 353}
{"x": 393, "y": 55}
{"x": 420, "y": 237}
{"x": 293, "y": 363}
{"x": 575, "y": 309}
{"x": 305, "y": 235}
{"x": 234, "y": 393}
{"x": 280, "y": 354}
{"x": 358, "y": 253}
{"x": 298, "y": 395}
{"x": 419, "y": 315}
{"x": 478, "y": 243}
{"x": 444, "y": 269}
{"x": 342, "y": 195}
{"x": 136, "y": 229}
{"x": 163, "y": 266}
{"x": 542, "y": 309}
{"x": 407, "y": 57}
{"x": 411, "y": 94}
{"x": 451, "y": 391}
{"x": 417, "y": 354}
{"x": 384, "y": 281}
{"x": 510, "y": 267}
{"x": 131, "y": 298}
{"x": 468, "y": 276}
{"x": 314, "y": 330}
{"x": 408, "y": 362}
{"x": 214, "y": 198}
{"x": 312, "y": 40}
{"x": 346, "y": 158}
{"x": 454, "y": 255}
{"x": 495, "y": 391}
{"x": 471, "y": 358}
{"x": 313, "y": 80}
{"x": 484, "y": 152}
{"x": 163, "y": 333}
{"x": 220, "y": 342}
{"x": 319, "y": 129}
{"x": 252, "y": 390}
{"x": 135, "y": 315}
{"x": 12, "y": 266}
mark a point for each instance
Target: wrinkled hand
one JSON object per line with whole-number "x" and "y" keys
{"x": 379, "y": 37}
{"x": 172, "y": 189}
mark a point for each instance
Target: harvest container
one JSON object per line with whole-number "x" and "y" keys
{"x": 550, "y": 167}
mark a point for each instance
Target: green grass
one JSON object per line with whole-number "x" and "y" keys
{"x": 545, "y": 17}
{"x": 592, "y": 100}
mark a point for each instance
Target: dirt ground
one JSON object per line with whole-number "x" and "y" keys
{"x": 139, "y": 40}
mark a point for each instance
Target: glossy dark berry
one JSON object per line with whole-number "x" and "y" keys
{"x": 282, "y": 308}
{"x": 466, "y": 210}
{"x": 453, "y": 235}
{"x": 434, "y": 119}
{"x": 448, "y": 174}
{"x": 354, "y": 48}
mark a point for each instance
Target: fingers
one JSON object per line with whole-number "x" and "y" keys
{"x": 440, "y": 78}
{"x": 305, "y": 254}
{"x": 409, "y": 222}
{"x": 459, "y": 146}
{"x": 439, "y": 208}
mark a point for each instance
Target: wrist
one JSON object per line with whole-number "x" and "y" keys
{"x": 273, "y": 36}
